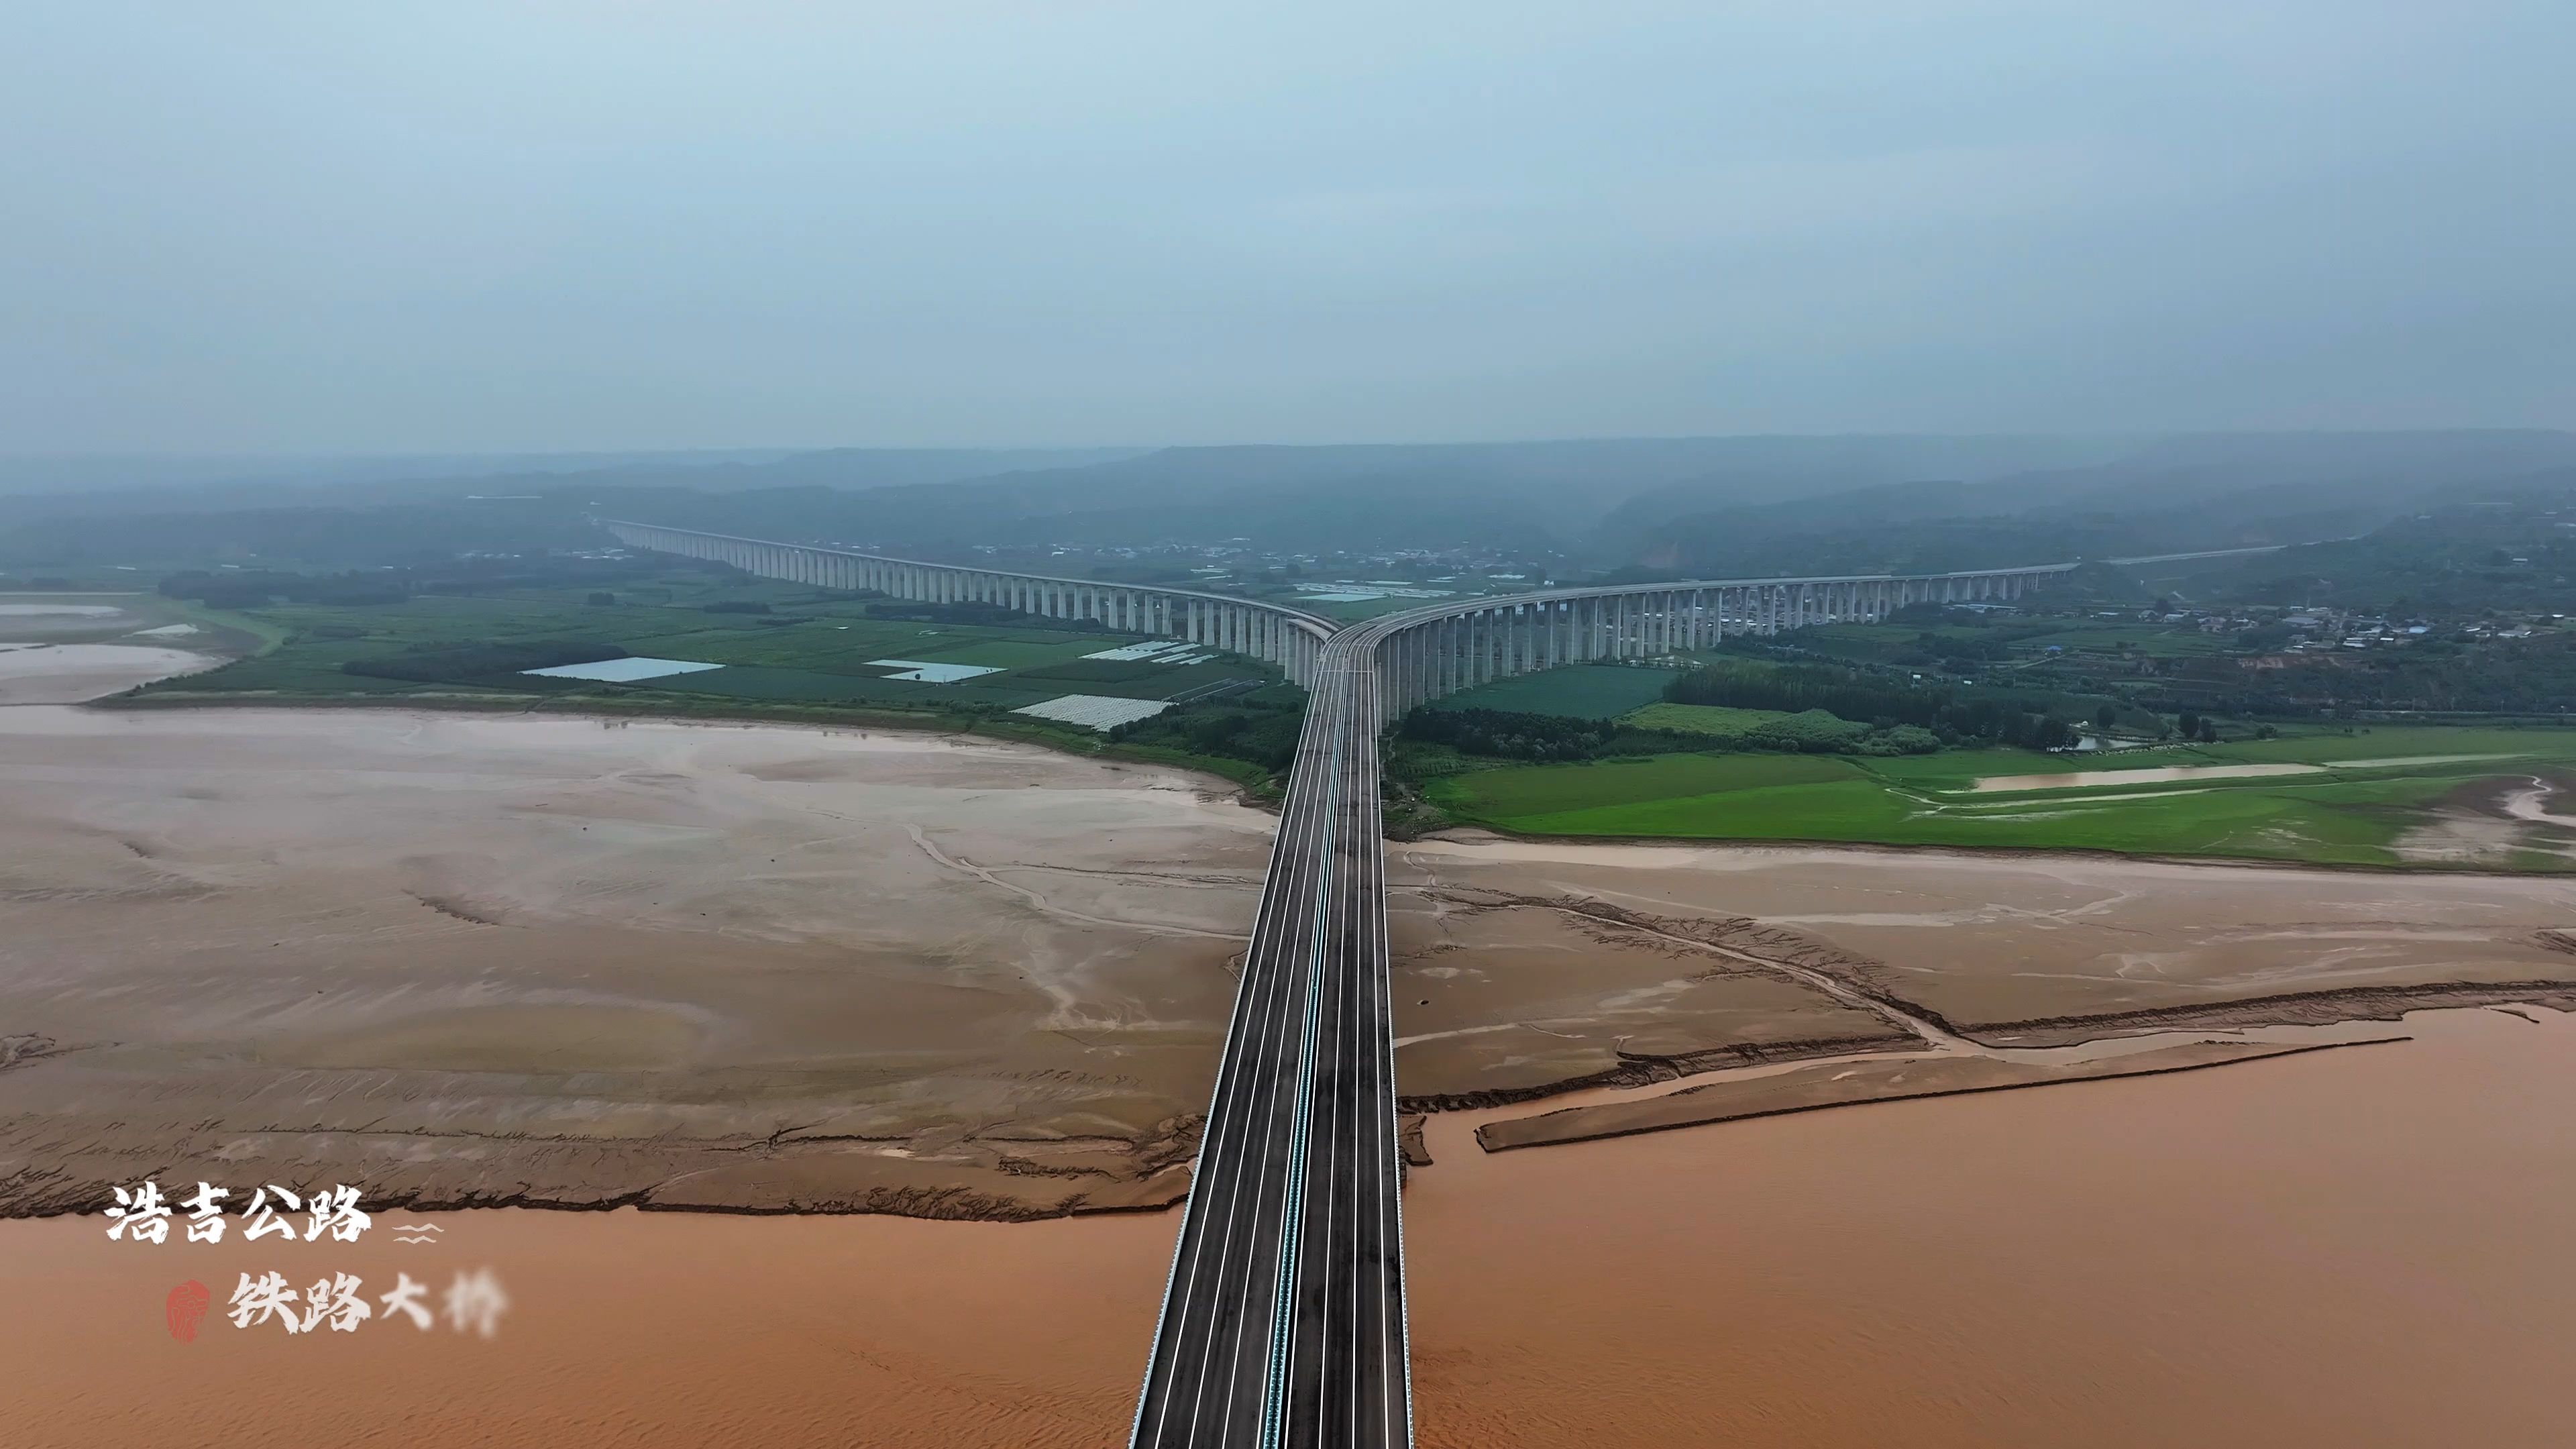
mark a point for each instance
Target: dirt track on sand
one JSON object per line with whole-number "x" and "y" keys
{"x": 1919, "y": 947}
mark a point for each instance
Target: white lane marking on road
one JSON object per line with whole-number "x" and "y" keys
{"x": 1286, "y": 856}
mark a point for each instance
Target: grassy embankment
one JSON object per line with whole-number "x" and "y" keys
{"x": 2352, "y": 809}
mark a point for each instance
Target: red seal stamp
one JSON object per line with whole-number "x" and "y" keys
{"x": 186, "y": 1304}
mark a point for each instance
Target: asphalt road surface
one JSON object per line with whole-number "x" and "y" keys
{"x": 1283, "y": 1323}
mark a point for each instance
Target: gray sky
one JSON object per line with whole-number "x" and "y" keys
{"x": 533, "y": 225}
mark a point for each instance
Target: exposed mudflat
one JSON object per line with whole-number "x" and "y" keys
{"x": 2496, "y": 823}
{"x": 1815, "y": 1086}
{"x": 1999, "y": 950}
{"x": 475, "y": 959}
{"x": 45, "y": 673}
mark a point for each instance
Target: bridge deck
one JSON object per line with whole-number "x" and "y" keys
{"x": 1283, "y": 1322}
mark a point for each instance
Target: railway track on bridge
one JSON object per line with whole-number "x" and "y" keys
{"x": 1283, "y": 1319}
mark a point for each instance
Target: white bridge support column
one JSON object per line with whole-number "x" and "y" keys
{"x": 1271, "y": 635}
{"x": 1421, "y": 661}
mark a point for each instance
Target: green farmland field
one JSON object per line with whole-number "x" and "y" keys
{"x": 1704, "y": 719}
{"x": 1729, "y": 728}
{"x": 2369, "y": 790}
{"x": 811, "y": 650}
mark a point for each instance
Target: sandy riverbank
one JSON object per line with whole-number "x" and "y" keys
{"x": 478, "y": 959}
{"x": 1504, "y": 948}
{"x": 474, "y": 959}
{"x": 47, "y": 673}
{"x": 462, "y": 958}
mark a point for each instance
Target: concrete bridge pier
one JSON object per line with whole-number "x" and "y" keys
{"x": 1288, "y": 638}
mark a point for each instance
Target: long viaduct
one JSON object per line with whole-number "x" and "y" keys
{"x": 1283, "y": 1320}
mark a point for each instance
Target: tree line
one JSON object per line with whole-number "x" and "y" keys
{"x": 1540, "y": 738}
{"x": 1951, "y": 717}
{"x": 1261, "y": 727}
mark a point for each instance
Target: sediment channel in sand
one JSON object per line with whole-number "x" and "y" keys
{"x": 472, "y": 959}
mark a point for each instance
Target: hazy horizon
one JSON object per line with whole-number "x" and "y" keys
{"x": 482, "y": 229}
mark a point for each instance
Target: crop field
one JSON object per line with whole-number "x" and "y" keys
{"x": 1580, "y": 691}
{"x": 809, "y": 650}
{"x": 2381, "y": 797}
{"x": 1871, "y": 642}
{"x": 1704, "y": 719}
{"x": 1143, "y": 680}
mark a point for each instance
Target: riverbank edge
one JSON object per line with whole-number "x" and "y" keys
{"x": 1247, "y": 784}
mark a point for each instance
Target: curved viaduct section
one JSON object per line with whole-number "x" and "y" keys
{"x": 1289, "y": 638}
{"x": 1283, "y": 1320}
{"x": 1441, "y": 650}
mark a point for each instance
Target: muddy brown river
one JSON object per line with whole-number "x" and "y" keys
{"x": 502, "y": 959}
{"x": 2362, "y": 1247}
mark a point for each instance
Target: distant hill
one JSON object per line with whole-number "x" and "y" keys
{"x": 2171, "y": 495}
{"x": 216, "y": 474}
{"x": 1561, "y": 493}
{"x": 843, "y": 468}
{"x": 1688, "y": 503}
{"x": 50, "y": 487}
{"x": 2514, "y": 550}
{"x": 1669, "y": 507}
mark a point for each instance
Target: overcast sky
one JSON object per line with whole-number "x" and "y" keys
{"x": 706, "y": 223}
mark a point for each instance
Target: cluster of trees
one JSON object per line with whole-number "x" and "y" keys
{"x": 464, "y": 663}
{"x": 1548, "y": 738}
{"x": 2190, "y": 726}
{"x": 1261, "y": 727}
{"x": 1542, "y": 738}
{"x": 2526, "y": 677}
{"x": 1956, "y": 652}
{"x": 2509, "y": 553}
{"x": 1949, "y": 715}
